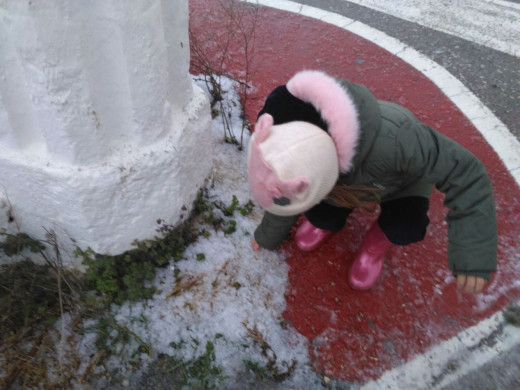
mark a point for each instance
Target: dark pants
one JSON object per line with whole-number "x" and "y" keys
{"x": 403, "y": 221}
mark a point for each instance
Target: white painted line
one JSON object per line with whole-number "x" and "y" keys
{"x": 432, "y": 367}
{"x": 507, "y": 4}
{"x": 492, "y": 129}
{"x": 495, "y": 24}
{"x": 452, "y": 359}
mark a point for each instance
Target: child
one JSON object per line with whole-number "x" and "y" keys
{"x": 324, "y": 146}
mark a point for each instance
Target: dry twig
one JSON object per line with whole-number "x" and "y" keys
{"x": 184, "y": 285}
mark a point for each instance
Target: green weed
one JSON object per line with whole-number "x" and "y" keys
{"x": 28, "y": 294}
{"x": 32, "y": 298}
{"x": 259, "y": 371}
{"x": 272, "y": 365}
{"x": 512, "y": 314}
{"x": 119, "y": 278}
{"x": 198, "y": 373}
{"x": 125, "y": 277}
{"x": 14, "y": 244}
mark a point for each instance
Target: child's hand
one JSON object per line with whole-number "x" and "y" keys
{"x": 255, "y": 245}
{"x": 470, "y": 284}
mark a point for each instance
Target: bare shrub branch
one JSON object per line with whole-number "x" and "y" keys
{"x": 231, "y": 47}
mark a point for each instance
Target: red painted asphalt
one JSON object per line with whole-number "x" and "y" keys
{"x": 358, "y": 335}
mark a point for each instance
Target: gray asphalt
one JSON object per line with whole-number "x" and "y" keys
{"x": 502, "y": 373}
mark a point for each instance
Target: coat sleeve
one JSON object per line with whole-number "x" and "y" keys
{"x": 471, "y": 218}
{"x": 273, "y": 230}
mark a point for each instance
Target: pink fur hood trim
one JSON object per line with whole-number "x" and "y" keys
{"x": 335, "y": 106}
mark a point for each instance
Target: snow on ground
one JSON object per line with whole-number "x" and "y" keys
{"x": 235, "y": 288}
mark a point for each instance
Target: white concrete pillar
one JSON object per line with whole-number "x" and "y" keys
{"x": 102, "y": 131}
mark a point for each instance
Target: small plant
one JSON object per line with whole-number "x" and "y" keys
{"x": 14, "y": 244}
{"x": 114, "y": 337}
{"x": 28, "y": 293}
{"x": 212, "y": 52}
{"x": 234, "y": 206}
{"x": 512, "y": 314}
{"x": 202, "y": 371}
{"x": 205, "y": 209}
{"x": 228, "y": 211}
{"x": 230, "y": 227}
{"x": 124, "y": 277}
{"x": 259, "y": 371}
{"x": 207, "y": 212}
{"x": 32, "y": 298}
{"x": 247, "y": 208}
{"x": 119, "y": 278}
{"x": 198, "y": 373}
{"x": 268, "y": 353}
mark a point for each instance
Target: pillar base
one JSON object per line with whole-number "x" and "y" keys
{"x": 108, "y": 206}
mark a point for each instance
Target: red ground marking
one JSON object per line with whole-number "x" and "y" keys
{"x": 354, "y": 335}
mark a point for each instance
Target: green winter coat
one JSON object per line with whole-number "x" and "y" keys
{"x": 403, "y": 157}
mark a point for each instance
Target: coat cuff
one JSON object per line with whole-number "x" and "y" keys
{"x": 273, "y": 230}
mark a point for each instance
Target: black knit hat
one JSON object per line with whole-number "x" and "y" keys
{"x": 284, "y": 108}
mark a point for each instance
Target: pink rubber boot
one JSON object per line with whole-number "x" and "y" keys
{"x": 369, "y": 260}
{"x": 309, "y": 237}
